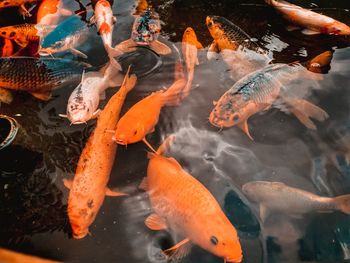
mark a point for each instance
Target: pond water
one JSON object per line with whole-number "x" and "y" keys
{"x": 33, "y": 199}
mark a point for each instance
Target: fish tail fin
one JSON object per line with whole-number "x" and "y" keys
{"x": 343, "y": 203}
{"x": 112, "y": 74}
{"x": 173, "y": 95}
{"x": 112, "y": 53}
{"x": 304, "y": 110}
{"x": 129, "y": 81}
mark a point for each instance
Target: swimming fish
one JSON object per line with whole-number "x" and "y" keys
{"x": 257, "y": 92}
{"x": 190, "y": 44}
{"x": 145, "y": 32}
{"x": 38, "y": 76}
{"x": 235, "y": 46}
{"x": 7, "y": 48}
{"x": 84, "y": 100}
{"x": 9, "y": 256}
{"x": 318, "y": 63}
{"x": 104, "y": 20}
{"x": 20, "y": 3}
{"x": 184, "y": 205}
{"x": 89, "y": 187}
{"x": 278, "y": 197}
{"x": 142, "y": 118}
{"x": 65, "y": 37}
{"x": 50, "y": 11}
{"x": 313, "y": 22}
{"x": 24, "y": 33}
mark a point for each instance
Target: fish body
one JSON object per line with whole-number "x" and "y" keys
{"x": 190, "y": 44}
{"x": 20, "y": 3}
{"x": 84, "y": 100}
{"x": 182, "y": 204}
{"x": 21, "y": 34}
{"x": 89, "y": 187}
{"x": 145, "y": 32}
{"x": 278, "y": 197}
{"x": 38, "y": 76}
{"x": 314, "y": 22}
{"x": 49, "y": 12}
{"x": 7, "y": 48}
{"x": 65, "y": 37}
{"x": 235, "y": 46}
{"x": 257, "y": 92}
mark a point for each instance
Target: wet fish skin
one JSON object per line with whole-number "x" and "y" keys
{"x": 7, "y": 48}
{"x": 22, "y": 34}
{"x": 313, "y": 21}
{"x": 89, "y": 186}
{"x": 279, "y": 197}
{"x": 199, "y": 219}
{"x": 50, "y": 11}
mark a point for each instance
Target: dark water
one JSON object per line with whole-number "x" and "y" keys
{"x": 33, "y": 199}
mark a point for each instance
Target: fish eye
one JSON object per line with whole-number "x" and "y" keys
{"x": 214, "y": 240}
{"x": 210, "y": 24}
{"x": 235, "y": 117}
{"x": 135, "y": 132}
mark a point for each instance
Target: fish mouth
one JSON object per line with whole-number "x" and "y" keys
{"x": 80, "y": 235}
{"x": 234, "y": 260}
{"x": 119, "y": 141}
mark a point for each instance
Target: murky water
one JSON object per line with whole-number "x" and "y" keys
{"x": 33, "y": 199}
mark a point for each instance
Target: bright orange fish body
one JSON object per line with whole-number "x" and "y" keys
{"x": 89, "y": 187}
{"x": 7, "y": 48}
{"x": 50, "y": 11}
{"x": 21, "y": 34}
{"x": 182, "y": 204}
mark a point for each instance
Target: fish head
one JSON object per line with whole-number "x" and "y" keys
{"x": 50, "y": 46}
{"x": 189, "y": 35}
{"x": 8, "y": 32}
{"x": 80, "y": 111}
{"x": 146, "y": 29}
{"x": 338, "y": 28}
{"x": 215, "y": 26}
{"x": 129, "y": 130}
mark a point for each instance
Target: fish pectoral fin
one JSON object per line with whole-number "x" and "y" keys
{"x": 78, "y": 53}
{"x": 68, "y": 183}
{"x": 96, "y": 113}
{"x": 160, "y": 48}
{"x": 264, "y": 213}
{"x": 93, "y": 19}
{"x": 165, "y": 145}
{"x": 5, "y": 96}
{"x": 144, "y": 184}
{"x": 199, "y": 45}
{"x": 41, "y": 95}
{"x": 292, "y": 28}
{"x": 179, "y": 250}
{"x": 23, "y": 11}
{"x": 21, "y": 41}
{"x": 155, "y": 222}
{"x": 65, "y": 12}
{"x": 309, "y": 32}
{"x": 63, "y": 115}
{"x": 244, "y": 127}
{"x": 112, "y": 193}
{"x": 197, "y": 61}
{"x": 126, "y": 46}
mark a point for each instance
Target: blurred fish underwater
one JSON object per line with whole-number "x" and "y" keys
{"x": 229, "y": 40}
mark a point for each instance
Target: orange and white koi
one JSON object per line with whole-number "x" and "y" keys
{"x": 50, "y": 11}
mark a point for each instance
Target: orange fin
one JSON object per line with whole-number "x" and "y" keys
{"x": 144, "y": 184}
{"x": 165, "y": 145}
{"x": 68, "y": 183}
{"x": 179, "y": 250}
{"x": 126, "y": 46}
{"x": 343, "y": 203}
{"x": 148, "y": 144}
{"x": 42, "y": 95}
{"x": 173, "y": 95}
{"x": 5, "y": 96}
{"x": 199, "y": 44}
{"x": 155, "y": 222}
{"x": 105, "y": 28}
{"x": 21, "y": 41}
{"x": 160, "y": 48}
{"x": 109, "y": 192}
{"x": 245, "y": 128}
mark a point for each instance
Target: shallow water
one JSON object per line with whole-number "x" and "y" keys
{"x": 33, "y": 200}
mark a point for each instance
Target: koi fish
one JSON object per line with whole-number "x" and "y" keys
{"x": 318, "y": 63}
{"x": 190, "y": 44}
{"x": 235, "y": 46}
{"x": 38, "y": 76}
{"x": 24, "y": 33}
{"x": 142, "y": 118}
{"x": 7, "y": 48}
{"x": 278, "y": 197}
{"x": 50, "y": 11}
{"x": 145, "y": 32}
{"x": 183, "y": 205}
{"x": 20, "y": 3}
{"x": 257, "y": 92}
{"x": 313, "y": 22}
{"x": 104, "y": 20}
{"x": 141, "y": 7}
{"x": 89, "y": 187}
{"x": 8, "y": 256}
{"x": 65, "y": 37}
{"x": 84, "y": 100}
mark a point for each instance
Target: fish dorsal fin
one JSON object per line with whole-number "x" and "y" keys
{"x": 309, "y": 32}
{"x": 199, "y": 44}
{"x": 144, "y": 184}
{"x": 179, "y": 250}
{"x": 245, "y": 128}
{"x": 174, "y": 162}
{"x": 264, "y": 213}
{"x": 277, "y": 184}
{"x": 42, "y": 95}
{"x": 68, "y": 183}
{"x": 126, "y": 46}
{"x": 155, "y": 222}
{"x": 110, "y": 192}
{"x": 160, "y": 48}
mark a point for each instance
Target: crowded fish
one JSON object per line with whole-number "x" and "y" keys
{"x": 50, "y": 11}
{"x": 21, "y": 4}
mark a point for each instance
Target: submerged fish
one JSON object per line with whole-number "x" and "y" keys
{"x": 278, "y": 197}
{"x": 313, "y": 22}
{"x": 20, "y": 3}
{"x": 89, "y": 187}
{"x": 38, "y": 76}
{"x": 65, "y": 37}
{"x": 190, "y": 44}
{"x": 50, "y": 11}
{"x": 84, "y": 100}
{"x": 7, "y": 48}
{"x": 235, "y": 46}
{"x": 142, "y": 118}
{"x": 183, "y": 205}
{"x": 257, "y": 92}
{"x": 145, "y": 32}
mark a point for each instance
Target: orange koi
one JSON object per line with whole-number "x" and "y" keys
{"x": 49, "y": 12}
{"x": 89, "y": 187}
{"x": 142, "y": 118}
{"x": 190, "y": 44}
{"x": 184, "y": 205}
{"x": 7, "y": 48}
{"x": 21, "y": 34}
{"x": 8, "y": 256}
